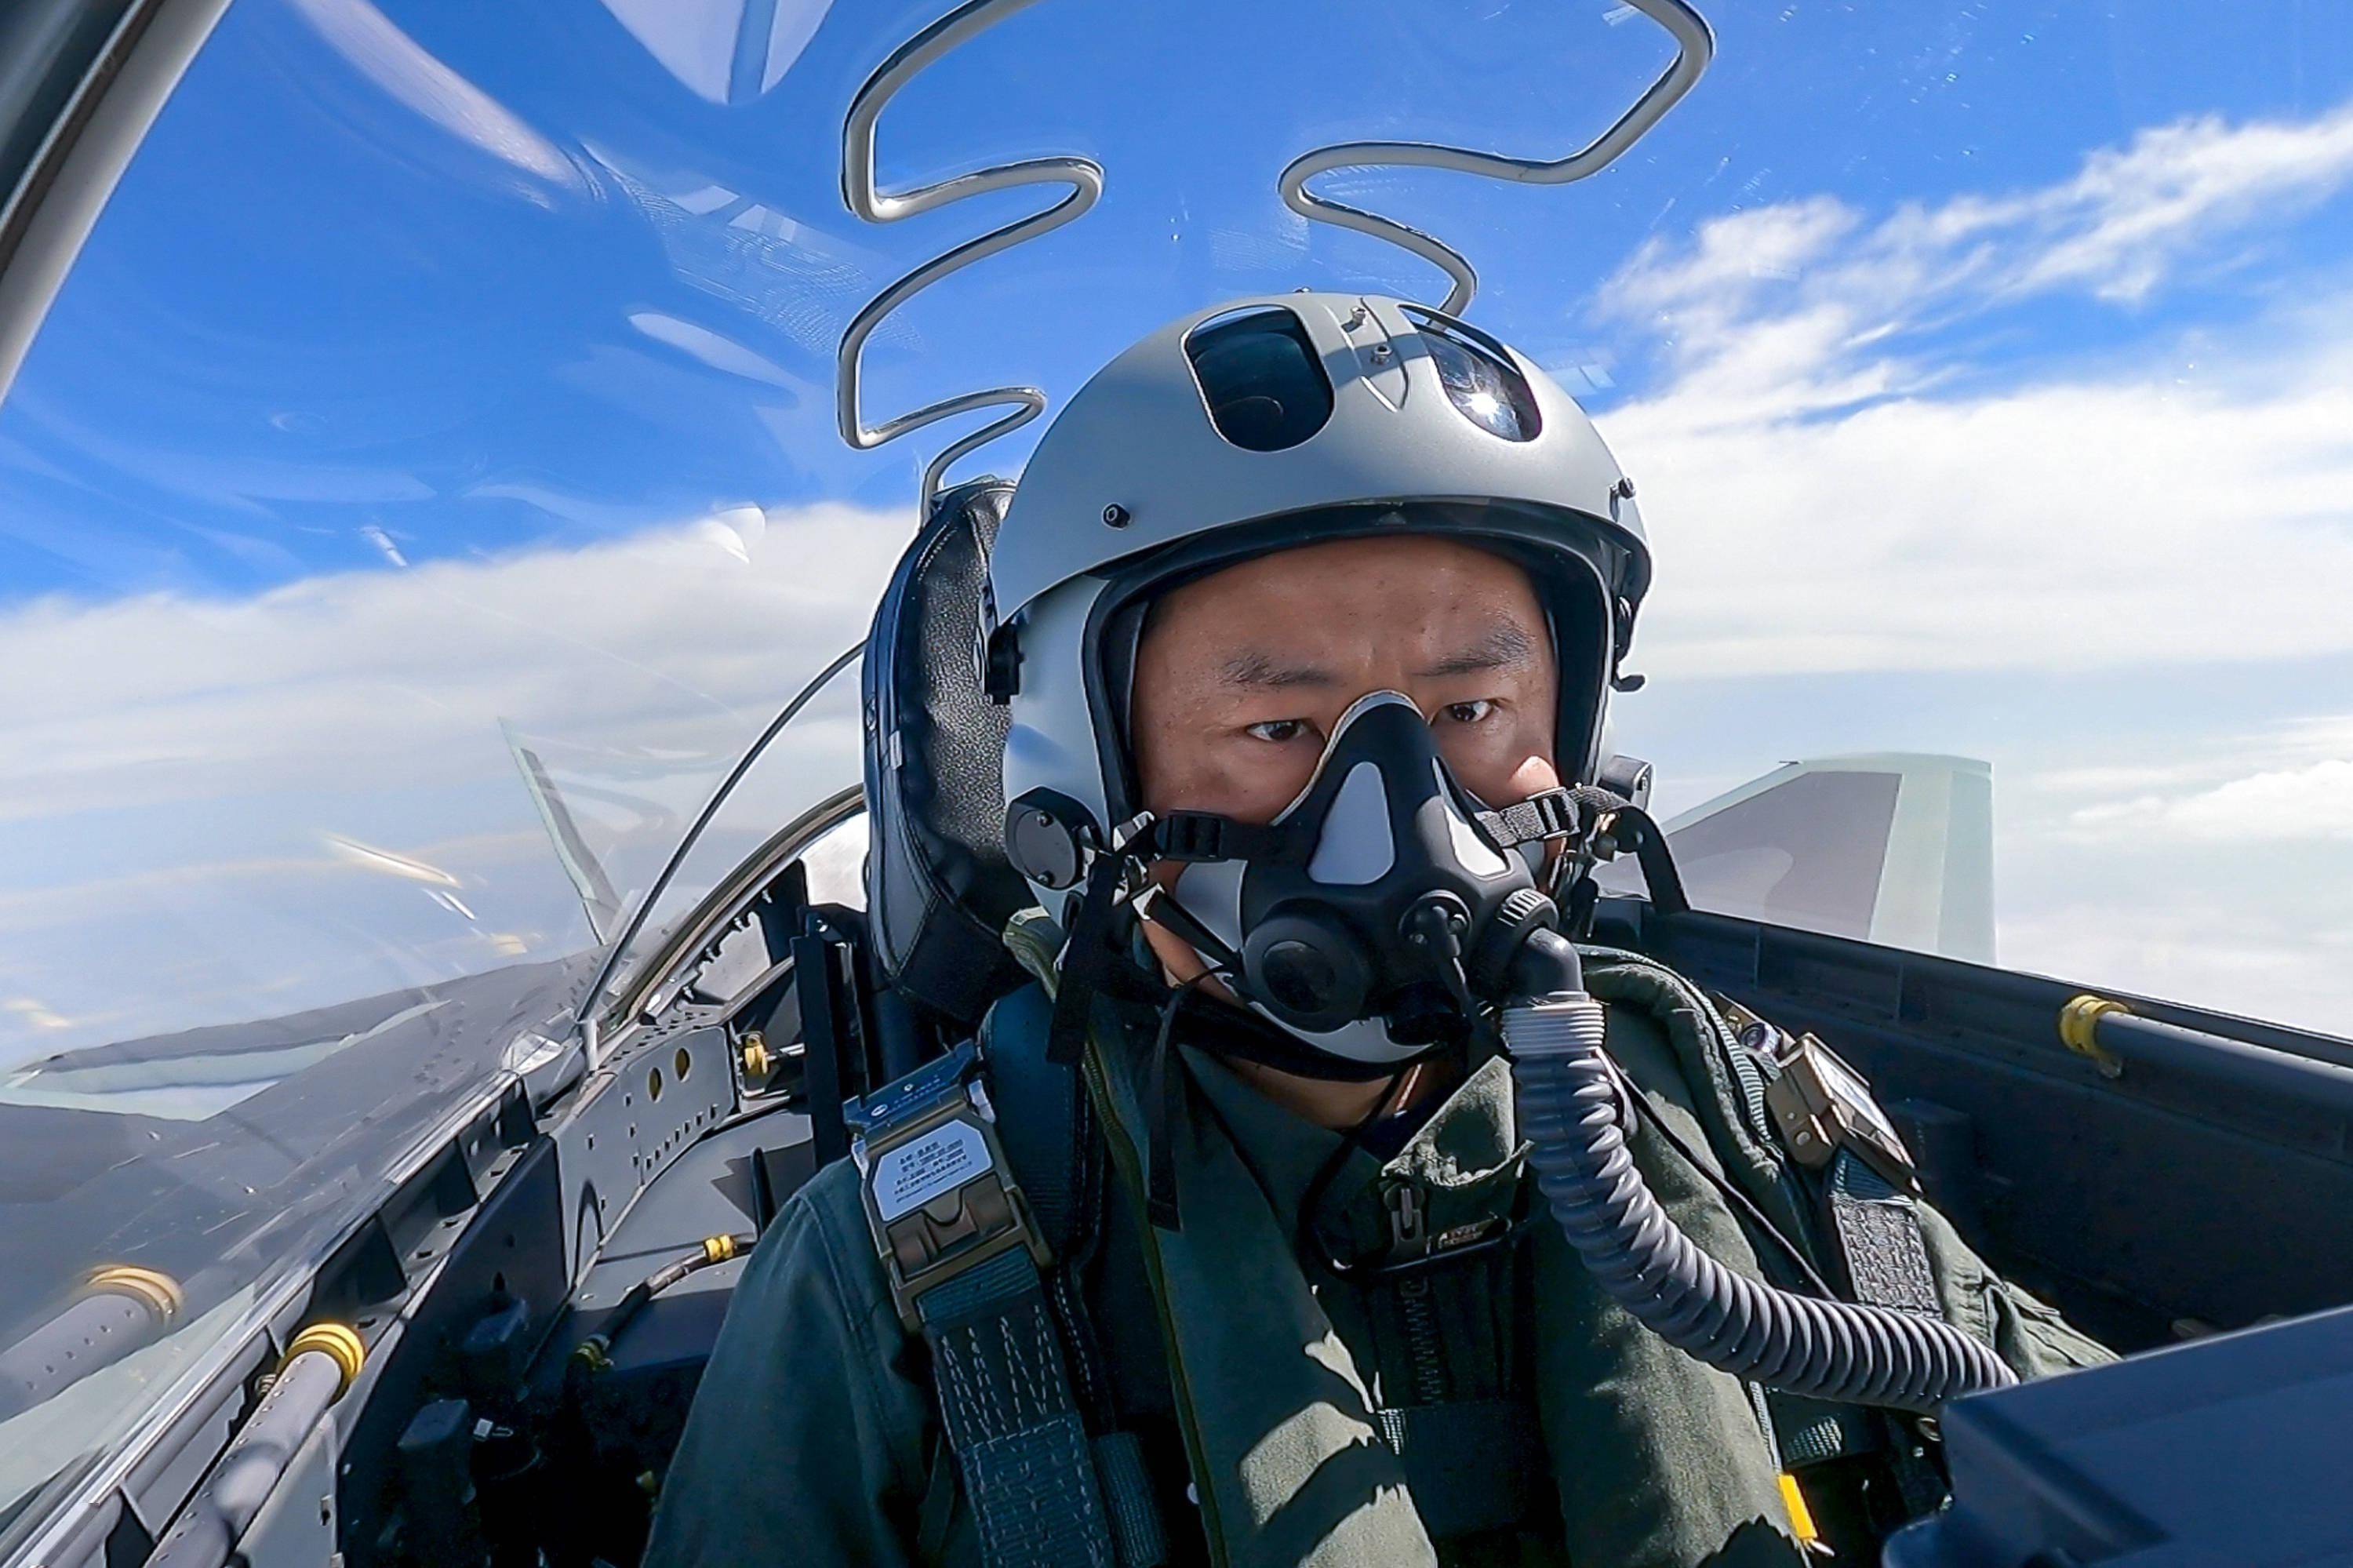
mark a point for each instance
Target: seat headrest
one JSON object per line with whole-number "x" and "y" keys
{"x": 939, "y": 888}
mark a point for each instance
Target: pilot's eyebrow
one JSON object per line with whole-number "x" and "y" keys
{"x": 1258, "y": 670}
{"x": 1505, "y": 645}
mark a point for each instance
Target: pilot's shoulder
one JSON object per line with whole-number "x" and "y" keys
{"x": 1638, "y": 1042}
{"x": 817, "y": 1252}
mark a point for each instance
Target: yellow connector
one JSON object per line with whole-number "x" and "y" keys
{"x": 718, "y": 1249}
{"x": 1801, "y": 1518}
{"x": 157, "y": 1292}
{"x": 337, "y": 1343}
{"x": 2078, "y": 1025}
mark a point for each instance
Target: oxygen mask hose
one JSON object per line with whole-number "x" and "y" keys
{"x": 1836, "y": 1351}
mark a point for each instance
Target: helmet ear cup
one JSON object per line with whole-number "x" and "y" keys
{"x": 1308, "y": 974}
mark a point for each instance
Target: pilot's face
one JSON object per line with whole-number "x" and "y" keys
{"x": 1241, "y": 675}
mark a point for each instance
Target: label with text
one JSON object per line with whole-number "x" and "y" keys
{"x": 941, "y": 1160}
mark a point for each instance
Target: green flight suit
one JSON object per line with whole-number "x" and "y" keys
{"x": 815, "y": 1439}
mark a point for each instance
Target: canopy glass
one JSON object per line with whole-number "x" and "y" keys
{"x": 427, "y": 480}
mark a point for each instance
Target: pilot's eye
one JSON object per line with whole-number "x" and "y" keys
{"x": 1277, "y": 731}
{"x": 1470, "y": 712}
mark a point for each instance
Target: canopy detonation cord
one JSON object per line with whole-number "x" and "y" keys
{"x": 1695, "y": 47}
{"x": 1082, "y": 176}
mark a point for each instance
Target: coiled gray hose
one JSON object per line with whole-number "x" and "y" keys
{"x": 1837, "y": 1351}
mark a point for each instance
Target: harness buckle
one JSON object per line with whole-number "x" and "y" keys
{"x": 939, "y": 1194}
{"x": 1822, "y": 1106}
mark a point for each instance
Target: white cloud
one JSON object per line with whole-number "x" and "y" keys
{"x": 2236, "y": 955}
{"x": 214, "y": 808}
{"x": 1837, "y": 493}
{"x": 2131, "y": 214}
{"x": 2116, "y": 228}
{"x": 1826, "y": 494}
{"x": 2308, "y": 803}
{"x": 165, "y": 696}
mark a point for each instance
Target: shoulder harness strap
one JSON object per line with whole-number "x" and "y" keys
{"x": 964, "y": 1259}
{"x": 1830, "y": 1125}
{"x": 1816, "y": 1115}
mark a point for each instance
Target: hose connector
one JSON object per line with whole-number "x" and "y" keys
{"x": 1560, "y": 1026}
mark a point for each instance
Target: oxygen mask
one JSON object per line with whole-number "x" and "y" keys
{"x": 1376, "y": 914}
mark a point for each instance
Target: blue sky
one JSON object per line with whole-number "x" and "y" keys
{"x": 1983, "y": 367}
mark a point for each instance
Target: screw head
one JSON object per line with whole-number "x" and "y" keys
{"x": 1115, "y": 515}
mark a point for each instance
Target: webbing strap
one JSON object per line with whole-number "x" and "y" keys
{"x": 1549, "y": 815}
{"x": 1887, "y": 1265}
{"x": 1127, "y": 1493}
{"x": 1879, "y": 1235}
{"x": 1017, "y": 1434}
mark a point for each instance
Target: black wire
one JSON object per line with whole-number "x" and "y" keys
{"x": 1733, "y": 1195}
{"x": 1312, "y": 1200}
{"x": 1161, "y": 1092}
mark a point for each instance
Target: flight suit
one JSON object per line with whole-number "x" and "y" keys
{"x": 815, "y": 1438}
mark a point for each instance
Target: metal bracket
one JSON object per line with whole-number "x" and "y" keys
{"x": 1822, "y": 1106}
{"x": 1082, "y": 176}
{"x": 1695, "y": 45}
{"x": 939, "y": 1195}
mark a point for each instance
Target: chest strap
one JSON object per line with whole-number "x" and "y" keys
{"x": 964, "y": 1260}
{"x": 1879, "y": 1238}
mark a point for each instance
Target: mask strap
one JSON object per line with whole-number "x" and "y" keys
{"x": 1084, "y": 962}
{"x": 1164, "y": 1090}
{"x": 1606, "y": 825}
{"x": 1559, "y": 813}
{"x": 1194, "y": 837}
{"x": 1160, "y": 906}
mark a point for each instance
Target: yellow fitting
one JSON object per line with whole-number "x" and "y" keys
{"x": 337, "y": 1343}
{"x": 590, "y": 1354}
{"x": 158, "y": 1292}
{"x": 1801, "y": 1518}
{"x": 2078, "y": 1026}
{"x": 758, "y": 1062}
{"x": 718, "y": 1249}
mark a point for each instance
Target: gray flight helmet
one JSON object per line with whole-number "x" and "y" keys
{"x": 1266, "y": 423}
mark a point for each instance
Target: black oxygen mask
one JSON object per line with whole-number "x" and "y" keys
{"x": 1377, "y": 915}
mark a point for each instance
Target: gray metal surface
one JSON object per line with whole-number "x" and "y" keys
{"x": 2143, "y": 1205}
{"x": 2225, "y": 1453}
{"x": 92, "y": 1333}
{"x": 296, "y": 1527}
{"x": 635, "y": 1117}
{"x": 259, "y": 1456}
